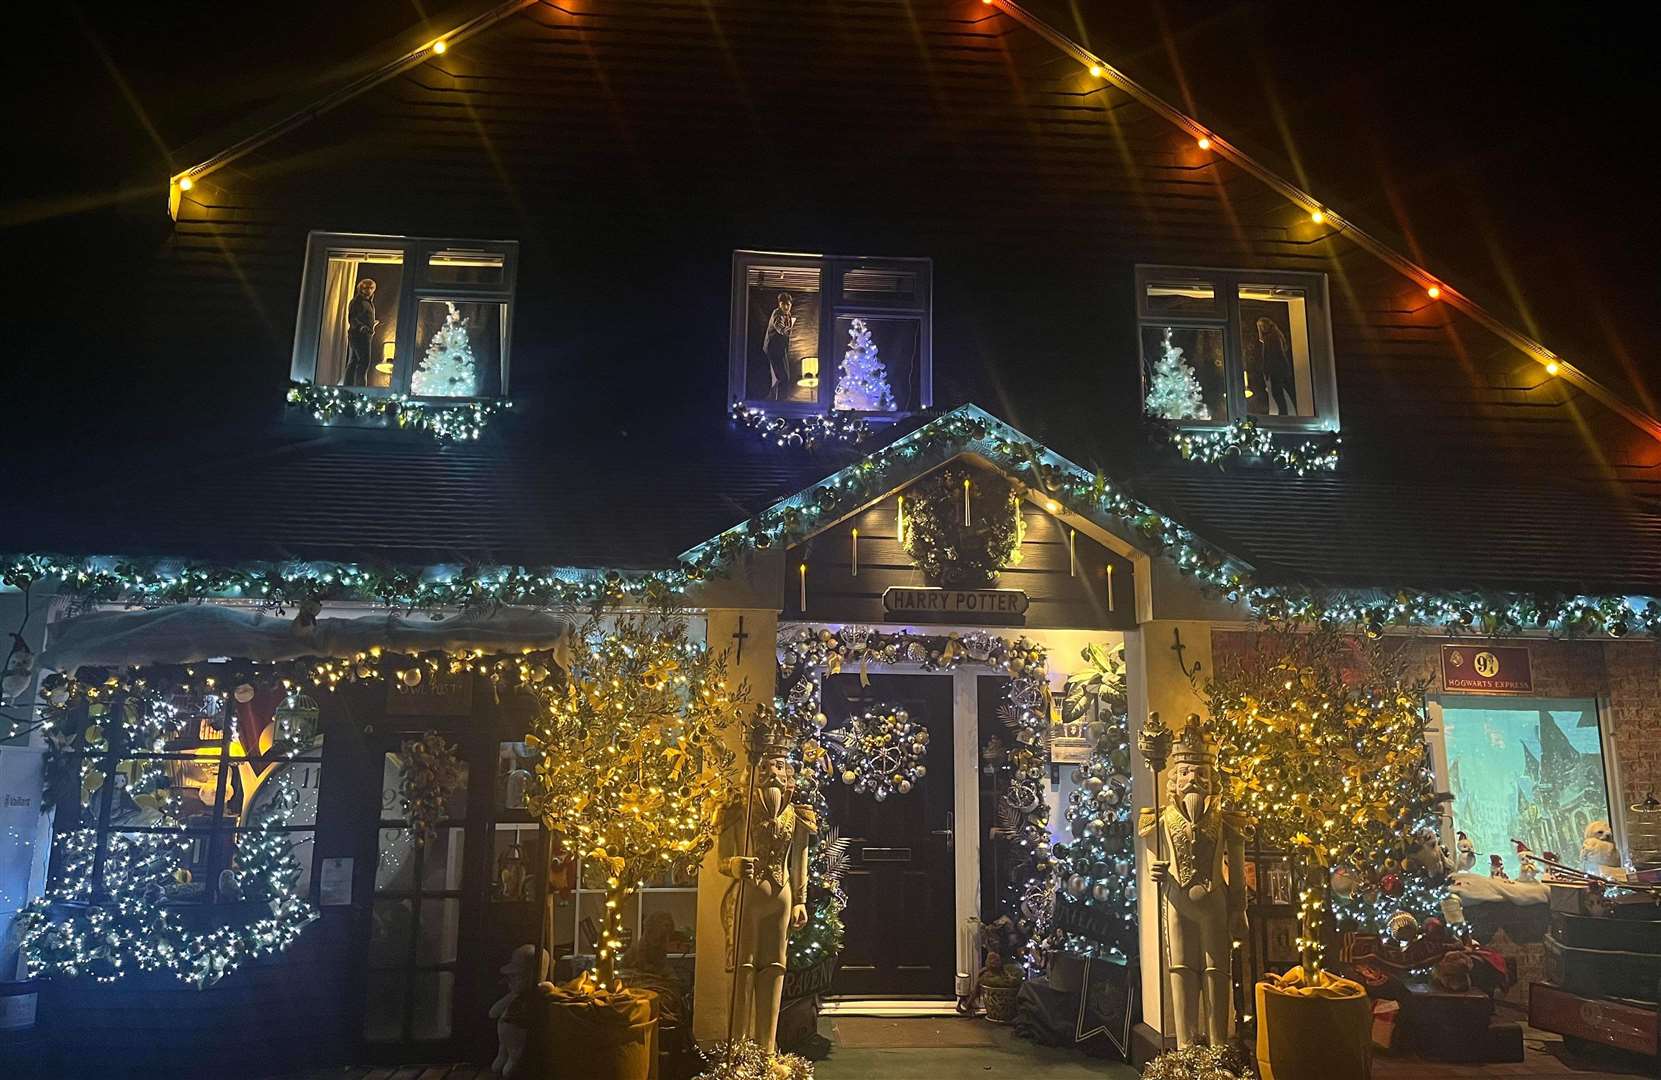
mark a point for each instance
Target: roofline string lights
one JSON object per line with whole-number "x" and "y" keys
{"x": 1320, "y": 214}
{"x": 967, "y": 429}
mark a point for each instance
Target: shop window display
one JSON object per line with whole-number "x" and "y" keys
{"x": 395, "y": 315}
{"x": 1525, "y": 769}
{"x": 1222, "y": 346}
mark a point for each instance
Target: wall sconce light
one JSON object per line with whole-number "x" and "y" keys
{"x": 389, "y": 351}
{"x": 810, "y": 372}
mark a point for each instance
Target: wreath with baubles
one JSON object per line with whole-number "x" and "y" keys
{"x": 962, "y": 526}
{"x": 881, "y": 752}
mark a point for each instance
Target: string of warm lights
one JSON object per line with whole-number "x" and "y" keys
{"x": 1247, "y": 439}
{"x": 1321, "y": 214}
{"x": 132, "y": 918}
{"x": 458, "y": 422}
{"x": 804, "y": 432}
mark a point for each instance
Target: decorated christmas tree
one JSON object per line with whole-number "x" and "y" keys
{"x": 1096, "y": 870}
{"x": 862, "y": 381}
{"x": 447, "y": 369}
{"x": 633, "y": 774}
{"x": 1321, "y": 741}
{"x": 1173, "y": 391}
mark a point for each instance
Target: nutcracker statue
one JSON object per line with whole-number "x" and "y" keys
{"x": 1203, "y": 901}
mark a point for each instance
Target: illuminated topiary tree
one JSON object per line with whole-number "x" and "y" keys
{"x": 633, "y": 773}
{"x": 1321, "y": 741}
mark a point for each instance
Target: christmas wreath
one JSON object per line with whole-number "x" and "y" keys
{"x": 962, "y": 526}
{"x": 881, "y": 752}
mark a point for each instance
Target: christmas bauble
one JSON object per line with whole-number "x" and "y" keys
{"x": 243, "y": 693}
{"x": 1078, "y": 825}
{"x": 1093, "y": 784}
{"x": 849, "y": 776}
{"x": 1077, "y": 884}
{"x": 1100, "y": 891}
{"x": 1078, "y": 776}
{"x": 1130, "y": 890}
{"x": 881, "y": 793}
{"x": 905, "y": 787}
{"x": 922, "y": 771}
{"x": 820, "y": 719}
{"x": 1403, "y": 926}
{"x": 1043, "y": 851}
{"x": 1390, "y": 883}
{"x": 1343, "y": 882}
{"x": 411, "y": 676}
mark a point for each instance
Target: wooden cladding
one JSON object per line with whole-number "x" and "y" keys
{"x": 1056, "y": 596}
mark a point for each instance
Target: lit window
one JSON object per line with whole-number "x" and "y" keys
{"x": 1222, "y": 345}
{"x": 1523, "y": 769}
{"x": 815, "y": 334}
{"x": 428, "y": 318}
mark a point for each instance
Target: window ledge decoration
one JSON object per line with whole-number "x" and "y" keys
{"x": 1244, "y": 440}
{"x": 457, "y": 422}
{"x": 140, "y": 920}
{"x": 805, "y": 432}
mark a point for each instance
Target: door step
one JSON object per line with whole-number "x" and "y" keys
{"x": 889, "y": 1007}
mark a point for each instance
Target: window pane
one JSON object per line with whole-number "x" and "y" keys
{"x": 358, "y": 318}
{"x": 440, "y": 930}
{"x": 1532, "y": 770}
{"x": 511, "y": 863}
{"x": 1274, "y": 322}
{"x": 459, "y": 350}
{"x": 441, "y": 862}
{"x": 434, "y": 992}
{"x": 781, "y": 355}
{"x": 1182, "y": 298}
{"x": 1183, "y": 370}
{"x": 881, "y": 285}
{"x": 390, "y": 923}
{"x": 392, "y": 784}
{"x": 383, "y": 1019}
{"x": 460, "y": 266}
{"x": 513, "y": 775}
{"x": 877, "y": 368}
{"x": 395, "y": 865}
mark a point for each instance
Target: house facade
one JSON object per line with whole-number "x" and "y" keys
{"x": 731, "y": 302}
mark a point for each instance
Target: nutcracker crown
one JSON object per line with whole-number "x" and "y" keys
{"x": 1191, "y": 746}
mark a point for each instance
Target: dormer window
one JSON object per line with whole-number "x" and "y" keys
{"x": 424, "y": 317}
{"x": 819, "y": 334}
{"x": 1219, "y": 346}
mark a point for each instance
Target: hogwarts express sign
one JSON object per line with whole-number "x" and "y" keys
{"x": 1487, "y": 669}
{"x": 985, "y": 604}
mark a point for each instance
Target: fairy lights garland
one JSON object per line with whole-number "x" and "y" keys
{"x": 965, "y": 429}
{"x": 805, "y": 656}
{"x": 1245, "y": 439}
{"x": 805, "y": 432}
{"x": 458, "y": 422}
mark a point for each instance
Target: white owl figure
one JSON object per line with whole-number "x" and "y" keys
{"x": 1597, "y": 848}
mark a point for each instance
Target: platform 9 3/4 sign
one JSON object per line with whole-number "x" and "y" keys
{"x": 1487, "y": 669}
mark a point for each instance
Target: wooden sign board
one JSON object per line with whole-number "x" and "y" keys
{"x": 990, "y": 605}
{"x": 1487, "y": 669}
{"x": 1088, "y": 920}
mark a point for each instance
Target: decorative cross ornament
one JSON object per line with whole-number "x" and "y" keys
{"x": 740, "y": 636}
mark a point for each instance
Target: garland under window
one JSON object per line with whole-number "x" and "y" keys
{"x": 459, "y": 421}
{"x": 1245, "y": 439}
{"x": 804, "y": 432}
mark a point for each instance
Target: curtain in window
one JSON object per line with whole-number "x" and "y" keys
{"x": 331, "y": 331}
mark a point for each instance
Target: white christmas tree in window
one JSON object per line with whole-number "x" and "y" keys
{"x": 447, "y": 369}
{"x": 862, "y": 381}
{"x": 1174, "y": 392}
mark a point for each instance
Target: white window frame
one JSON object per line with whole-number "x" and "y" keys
{"x": 415, "y": 287}
{"x": 833, "y": 270}
{"x": 1227, "y": 282}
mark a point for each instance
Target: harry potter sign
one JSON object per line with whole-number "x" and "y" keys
{"x": 1487, "y": 669}
{"x": 999, "y": 604}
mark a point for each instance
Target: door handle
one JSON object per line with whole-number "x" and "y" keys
{"x": 949, "y": 832}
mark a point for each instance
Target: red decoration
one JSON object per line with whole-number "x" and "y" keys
{"x": 1391, "y": 884}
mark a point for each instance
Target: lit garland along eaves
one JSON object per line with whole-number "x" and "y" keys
{"x": 967, "y": 429}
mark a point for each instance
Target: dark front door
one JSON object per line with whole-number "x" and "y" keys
{"x": 900, "y": 921}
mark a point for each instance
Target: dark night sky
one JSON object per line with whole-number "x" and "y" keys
{"x": 1507, "y": 140}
